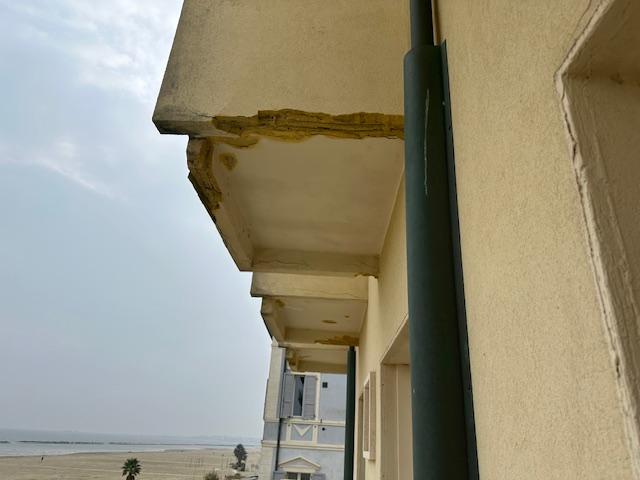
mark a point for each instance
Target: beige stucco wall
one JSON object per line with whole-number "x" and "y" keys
{"x": 386, "y": 313}
{"x": 544, "y": 382}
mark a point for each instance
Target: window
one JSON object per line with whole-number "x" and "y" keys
{"x": 299, "y": 396}
{"x": 298, "y": 476}
{"x": 325, "y": 384}
{"x": 369, "y": 417}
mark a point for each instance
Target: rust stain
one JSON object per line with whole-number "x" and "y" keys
{"x": 346, "y": 340}
{"x": 229, "y": 160}
{"x": 296, "y": 125}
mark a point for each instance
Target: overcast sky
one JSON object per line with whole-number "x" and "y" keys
{"x": 120, "y": 309}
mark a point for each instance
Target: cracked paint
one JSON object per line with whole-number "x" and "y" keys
{"x": 296, "y": 125}
{"x": 346, "y": 340}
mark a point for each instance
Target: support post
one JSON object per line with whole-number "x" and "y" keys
{"x": 438, "y": 415}
{"x": 350, "y": 421}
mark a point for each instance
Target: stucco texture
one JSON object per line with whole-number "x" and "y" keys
{"x": 303, "y": 55}
{"x": 386, "y": 312}
{"x": 544, "y": 382}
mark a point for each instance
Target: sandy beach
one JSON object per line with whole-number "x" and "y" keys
{"x": 183, "y": 464}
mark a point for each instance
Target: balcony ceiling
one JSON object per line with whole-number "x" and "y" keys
{"x": 318, "y": 310}
{"x": 320, "y": 205}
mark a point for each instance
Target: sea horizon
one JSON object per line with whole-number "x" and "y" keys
{"x": 28, "y": 442}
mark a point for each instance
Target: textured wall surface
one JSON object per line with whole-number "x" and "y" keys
{"x": 302, "y": 55}
{"x": 386, "y": 312}
{"x": 333, "y": 399}
{"x": 330, "y": 435}
{"x": 544, "y": 382}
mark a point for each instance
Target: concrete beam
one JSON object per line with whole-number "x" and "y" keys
{"x": 320, "y": 337}
{"x": 221, "y": 48}
{"x": 320, "y": 367}
{"x": 309, "y": 286}
{"x": 318, "y": 263}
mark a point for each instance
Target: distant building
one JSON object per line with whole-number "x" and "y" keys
{"x": 304, "y": 423}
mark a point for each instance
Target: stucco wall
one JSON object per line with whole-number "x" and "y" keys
{"x": 544, "y": 383}
{"x": 333, "y": 399}
{"x": 330, "y": 435}
{"x": 386, "y": 312}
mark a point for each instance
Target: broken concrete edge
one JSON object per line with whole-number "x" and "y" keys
{"x": 285, "y": 124}
{"x": 199, "y": 155}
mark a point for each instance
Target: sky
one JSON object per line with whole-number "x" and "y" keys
{"x": 120, "y": 309}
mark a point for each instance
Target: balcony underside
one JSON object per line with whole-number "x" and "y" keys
{"x": 320, "y": 205}
{"x": 296, "y": 147}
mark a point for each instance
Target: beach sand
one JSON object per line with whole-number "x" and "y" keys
{"x": 183, "y": 464}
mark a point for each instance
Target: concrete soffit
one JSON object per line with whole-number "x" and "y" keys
{"x": 328, "y": 217}
{"x": 314, "y": 299}
{"x": 314, "y": 317}
{"x": 309, "y": 218}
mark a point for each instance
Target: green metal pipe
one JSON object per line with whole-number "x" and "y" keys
{"x": 421, "y": 22}
{"x": 350, "y": 420}
{"x": 463, "y": 335}
{"x": 439, "y": 434}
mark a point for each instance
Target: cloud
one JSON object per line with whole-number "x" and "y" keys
{"x": 61, "y": 157}
{"x": 84, "y": 77}
{"x": 116, "y": 45}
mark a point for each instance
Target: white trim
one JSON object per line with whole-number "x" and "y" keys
{"x": 327, "y": 423}
{"x": 369, "y": 423}
{"x": 310, "y": 467}
{"x": 304, "y": 445}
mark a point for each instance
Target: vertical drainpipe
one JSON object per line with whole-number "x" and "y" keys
{"x": 278, "y": 444}
{"x": 438, "y": 415}
{"x": 283, "y": 371}
{"x": 350, "y": 420}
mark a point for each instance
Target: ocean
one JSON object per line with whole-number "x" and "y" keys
{"x": 35, "y": 442}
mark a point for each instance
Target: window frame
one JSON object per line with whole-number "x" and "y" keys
{"x": 316, "y": 399}
{"x": 369, "y": 417}
{"x": 298, "y": 476}
{"x": 295, "y": 395}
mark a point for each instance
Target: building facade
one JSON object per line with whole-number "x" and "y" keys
{"x": 298, "y": 115}
{"x": 304, "y": 422}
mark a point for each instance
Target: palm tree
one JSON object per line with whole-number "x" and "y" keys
{"x": 241, "y": 456}
{"x": 131, "y": 468}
